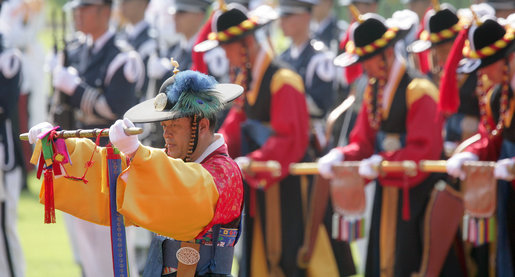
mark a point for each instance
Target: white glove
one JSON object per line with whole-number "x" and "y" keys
{"x": 52, "y": 60}
{"x": 66, "y": 79}
{"x": 158, "y": 67}
{"x": 455, "y": 163}
{"x": 38, "y": 129}
{"x": 502, "y": 170}
{"x": 124, "y": 143}
{"x": 325, "y": 164}
{"x": 368, "y": 167}
{"x": 243, "y": 162}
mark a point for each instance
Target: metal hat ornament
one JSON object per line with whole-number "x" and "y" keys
{"x": 185, "y": 94}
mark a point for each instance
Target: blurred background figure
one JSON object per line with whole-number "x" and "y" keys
{"x": 12, "y": 262}
{"x": 313, "y": 61}
{"x": 503, "y": 8}
{"x": 325, "y": 25}
{"x": 20, "y": 23}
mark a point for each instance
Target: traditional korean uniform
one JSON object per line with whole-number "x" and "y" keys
{"x": 407, "y": 127}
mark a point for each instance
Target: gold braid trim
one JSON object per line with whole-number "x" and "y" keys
{"x": 490, "y": 49}
{"x": 372, "y": 47}
{"x": 234, "y": 31}
{"x": 442, "y": 35}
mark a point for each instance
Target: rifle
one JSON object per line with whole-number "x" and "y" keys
{"x": 61, "y": 111}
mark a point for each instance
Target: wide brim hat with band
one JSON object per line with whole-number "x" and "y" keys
{"x": 348, "y": 2}
{"x": 80, "y": 3}
{"x": 231, "y": 23}
{"x": 489, "y": 41}
{"x": 441, "y": 25}
{"x": 192, "y": 6}
{"x": 369, "y": 36}
{"x": 186, "y": 94}
{"x": 289, "y": 7}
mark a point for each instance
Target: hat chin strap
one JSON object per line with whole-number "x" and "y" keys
{"x": 192, "y": 145}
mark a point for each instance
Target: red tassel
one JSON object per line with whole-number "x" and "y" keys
{"x": 49, "y": 197}
{"x": 354, "y": 71}
{"x": 449, "y": 91}
{"x": 198, "y": 63}
{"x": 423, "y": 57}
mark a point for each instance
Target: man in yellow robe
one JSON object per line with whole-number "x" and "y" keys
{"x": 191, "y": 191}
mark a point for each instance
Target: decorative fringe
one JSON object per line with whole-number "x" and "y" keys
{"x": 348, "y": 228}
{"x": 449, "y": 91}
{"x": 478, "y": 231}
{"x": 49, "y": 196}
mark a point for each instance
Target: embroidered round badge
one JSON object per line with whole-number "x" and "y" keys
{"x": 188, "y": 255}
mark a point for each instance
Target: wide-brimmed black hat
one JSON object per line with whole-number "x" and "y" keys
{"x": 185, "y": 94}
{"x": 489, "y": 41}
{"x": 441, "y": 25}
{"x": 232, "y": 23}
{"x": 369, "y": 36}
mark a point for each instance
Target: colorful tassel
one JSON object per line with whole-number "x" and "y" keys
{"x": 49, "y": 196}
{"x": 449, "y": 91}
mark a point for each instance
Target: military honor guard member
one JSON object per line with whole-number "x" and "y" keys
{"x": 271, "y": 123}
{"x": 398, "y": 121}
{"x": 493, "y": 44}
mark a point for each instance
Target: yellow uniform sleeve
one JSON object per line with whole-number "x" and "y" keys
{"x": 167, "y": 196}
{"x": 83, "y": 200}
{"x": 164, "y": 195}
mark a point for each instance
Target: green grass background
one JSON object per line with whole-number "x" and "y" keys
{"x": 46, "y": 246}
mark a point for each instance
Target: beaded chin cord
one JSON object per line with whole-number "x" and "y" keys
{"x": 503, "y": 105}
{"x": 374, "y": 119}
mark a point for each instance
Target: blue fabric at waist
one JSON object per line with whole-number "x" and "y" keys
{"x": 223, "y": 257}
{"x": 383, "y": 137}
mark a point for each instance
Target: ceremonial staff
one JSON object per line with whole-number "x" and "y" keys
{"x": 90, "y": 133}
{"x": 273, "y": 167}
{"x": 320, "y": 196}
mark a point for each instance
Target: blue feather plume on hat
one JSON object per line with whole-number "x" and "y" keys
{"x": 192, "y": 93}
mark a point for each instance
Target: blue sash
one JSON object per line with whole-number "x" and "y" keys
{"x": 118, "y": 241}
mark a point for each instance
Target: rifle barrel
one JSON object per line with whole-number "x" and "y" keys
{"x": 90, "y": 133}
